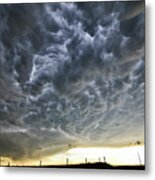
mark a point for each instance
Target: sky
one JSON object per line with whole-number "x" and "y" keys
{"x": 72, "y": 75}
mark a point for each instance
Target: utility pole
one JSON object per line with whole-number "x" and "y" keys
{"x": 138, "y": 143}
{"x": 85, "y": 160}
{"x": 8, "y": 164}
{"x": 99, "y": 159}
{"x": 40, "y": 163}
{"x": 139, "y": 158}
{"x": 104, "y": 159}
{"x": 67, "y": 161}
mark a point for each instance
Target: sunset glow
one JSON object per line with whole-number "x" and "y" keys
{"x": 113, "y": 156}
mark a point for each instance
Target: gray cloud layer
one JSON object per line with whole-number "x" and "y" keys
{"x": 71, "y": 74}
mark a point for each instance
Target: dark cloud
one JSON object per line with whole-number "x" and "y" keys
{"x": 70, "y": 73}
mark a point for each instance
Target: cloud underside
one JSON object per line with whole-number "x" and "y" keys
{"x": 71, "y": 74}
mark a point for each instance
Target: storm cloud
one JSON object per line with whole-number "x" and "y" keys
{"x": 71, "y": 74}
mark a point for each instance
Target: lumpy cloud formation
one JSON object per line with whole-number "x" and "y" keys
{"x": 71, "y": 74}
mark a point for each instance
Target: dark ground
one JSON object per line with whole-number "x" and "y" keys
{"x": 91, "y": 166}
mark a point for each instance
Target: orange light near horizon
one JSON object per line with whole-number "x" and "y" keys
{"x": 133, "y": 155}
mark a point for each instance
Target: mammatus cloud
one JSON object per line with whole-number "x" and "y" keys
{"x": 71, "y": 74}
